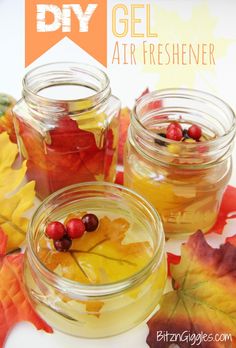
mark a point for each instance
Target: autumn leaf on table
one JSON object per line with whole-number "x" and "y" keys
{"x": 204, "y": 296}
{"x": 13, "y": 205}
{"x": 6, "y": 120}
{"x": 9, "y": 178}
{"x": 14, "y": 304}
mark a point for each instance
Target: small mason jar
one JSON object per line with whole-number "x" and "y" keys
{"x": 97, "y": 310}
{"x": 184, "y": 181}
{"x": 67, "y": 126}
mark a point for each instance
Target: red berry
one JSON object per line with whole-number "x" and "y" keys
{"x": 174, "y": 134}
{"x": 91, "y": 222}
{"x": 174, "y": 124}
{"x": 55, "y": 230}
{"x": 75, "y": 228}
{"x": 195, "y": 132}
{"x": 62, "y": 244}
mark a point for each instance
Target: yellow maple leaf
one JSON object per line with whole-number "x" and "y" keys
{"x": 13, "y": 205}
{"x": 9, "y": 178}
{"x": 99, "y": 257}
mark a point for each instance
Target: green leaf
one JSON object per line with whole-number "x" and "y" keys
{"x": 4, "y": 100}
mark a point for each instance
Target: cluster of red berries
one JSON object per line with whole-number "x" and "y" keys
{"x": 62, "y": 235}
{"x": 176, "y": 132}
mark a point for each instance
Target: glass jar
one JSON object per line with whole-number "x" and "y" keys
{"x": 184, "y": 181}
{"x": 67, "y": 126}
{"x": 104, "y": 309}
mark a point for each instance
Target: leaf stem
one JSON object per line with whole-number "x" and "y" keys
{"x": 97, "y": 244}
{"x": 72, "y": 251}
{"x": 106, "y": 257}
{"x": 78, "y": 264}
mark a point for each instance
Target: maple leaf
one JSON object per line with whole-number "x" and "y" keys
{"x": 96, "y": 258}
{"x": 13, "y": 206}
{"x": 68, "y": 154}
{"x": 124, "y": 125}
{"x": 14, "y": 303}
{"x": 6, "y": 119}
{"x": 120, "y": 178}
{"x": 10, "y": 178}
{"x": 204, "y": 295}
{"x": 99, "y": 257}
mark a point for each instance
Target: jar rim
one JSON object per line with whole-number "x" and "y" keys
{"x": 189, "y": 93}
{"x": 102, "y": 92}
{"x": 97, "y": 290}
{"x": 221, "y": 143}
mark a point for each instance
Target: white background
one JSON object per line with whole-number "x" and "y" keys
{"x": 127, "y": 83}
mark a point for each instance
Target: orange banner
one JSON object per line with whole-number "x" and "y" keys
{"x": 47, "y": 22}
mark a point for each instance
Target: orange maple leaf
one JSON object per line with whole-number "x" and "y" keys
{"x": 14, "y": 303}
{"x": 6, "y": 119}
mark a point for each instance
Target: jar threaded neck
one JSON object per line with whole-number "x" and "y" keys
{"x": 159, "y": 108}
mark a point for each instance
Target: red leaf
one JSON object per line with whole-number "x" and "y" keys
{"x": 67, "y": 155}
{"x": 120, "y": 178}
{"x": 157, "y": 104}
{"x": 14, "y": 303}
{"x": 172, "y": 259}
{"x": 124, "y": 125}
{"x": 146, "y": 91}
{"x": 3, "y": 243}
{"x": 228, "y": 206}
{"x": 231, "y": 240}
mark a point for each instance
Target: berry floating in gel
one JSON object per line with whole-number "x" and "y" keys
{"x": 174, "y": 134}
{"x": 55, "y": 230}
{"x": 91, "y": 222}
{"x": 174, "y": 125}
{"x": 63, "y": 244}
{"x": 75, "y": 228}
{"x": 195, "y": 132}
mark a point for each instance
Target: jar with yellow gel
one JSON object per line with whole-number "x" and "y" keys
{"x": 184, "y": 180}
{"x": 109, "y": 280}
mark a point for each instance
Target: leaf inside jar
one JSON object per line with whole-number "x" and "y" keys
{"x": 99, "y": 257}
